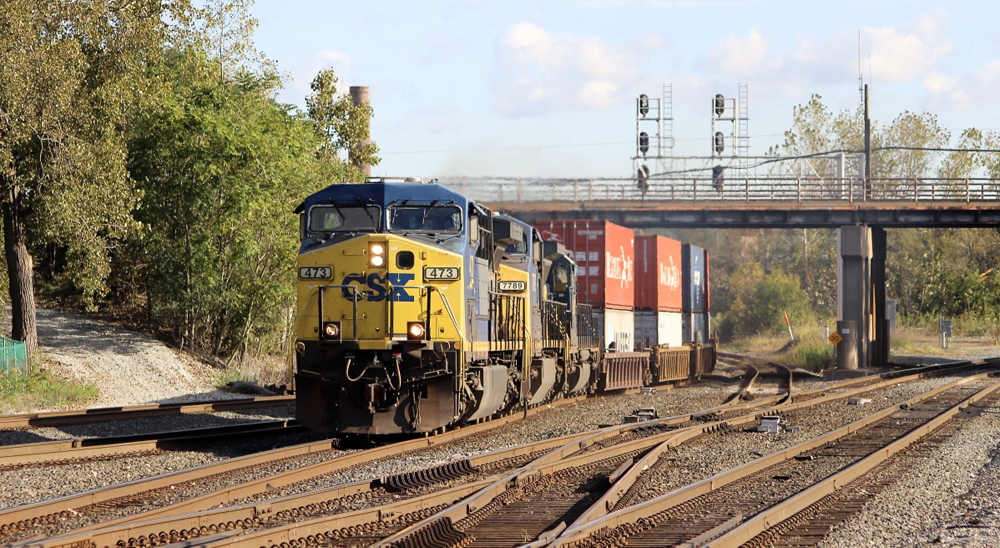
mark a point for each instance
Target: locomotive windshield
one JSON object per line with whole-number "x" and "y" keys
{"x": 343, "y": 218}
{"x": 520, "y": 248}
{"x": 430, "y": 218}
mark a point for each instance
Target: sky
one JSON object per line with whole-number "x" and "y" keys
{"x": 548, "y": 88}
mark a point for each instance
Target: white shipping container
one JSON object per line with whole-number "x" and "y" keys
{"x": 670, "y": 328}
{"x": 653, "y": 328}
{"x": 617, "y": 326}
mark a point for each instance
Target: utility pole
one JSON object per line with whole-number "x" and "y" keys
{"x": 868, "y": 149}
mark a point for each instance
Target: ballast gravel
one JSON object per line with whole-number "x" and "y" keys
{"x": 46, "y": 482}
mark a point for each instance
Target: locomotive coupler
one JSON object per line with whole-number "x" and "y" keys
{"x": 374, "y": 396}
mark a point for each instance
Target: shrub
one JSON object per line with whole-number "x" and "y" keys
{"x": 756, "y": 302}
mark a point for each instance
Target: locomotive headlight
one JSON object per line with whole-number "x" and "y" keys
{"x": 415, "y": 331}
{"x": 331, "y": 330}
{"x": 376, "y": 254}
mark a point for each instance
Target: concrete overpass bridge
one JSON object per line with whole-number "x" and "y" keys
{"x": 860, "y": 209}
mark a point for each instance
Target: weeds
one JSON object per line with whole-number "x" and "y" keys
{"x": 38, "y": 389}
{"x": 263, "y": 370}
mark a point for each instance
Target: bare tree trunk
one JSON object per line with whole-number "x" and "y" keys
{"x": 20, "y": 271}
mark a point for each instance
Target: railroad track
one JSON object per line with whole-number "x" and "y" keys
{"x": 56, "y": 418}
{"x": 541, "y": 492}
{"x": 752, "y": 368}
{"x": 211, "y": 485}
{"x": 362, "y": 512}
{"x": 734, "y": 507}
{"x": 75, "y": 512}
{"x": 84, "y": 449}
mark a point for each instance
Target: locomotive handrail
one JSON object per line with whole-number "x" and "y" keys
{"x": 354, "y": 295}
{"x": 444, "y": 299}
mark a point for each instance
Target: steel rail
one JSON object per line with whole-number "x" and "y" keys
{"x": 584, "y": 528}
{"x": 64, "y": 507}
{"x": 31, "y": 454}
{"x": 606, "y": 503}
{"x": 791, "y": 506}
{"x": 558, "y": 459}
{"x": 195, "y": 524}
{"x": 50, "y": 418}
{"x": 750, "y": 374}
{"x": 110, "y": 535}
{"x": 65, "y": 504}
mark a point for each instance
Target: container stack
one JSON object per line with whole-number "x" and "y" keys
{"x": 605, "y": 255}
{"x": 658, "y": 294}
{"x": 695, "y": 302}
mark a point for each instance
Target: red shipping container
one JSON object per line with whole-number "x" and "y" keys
{"x": 605, "y": 256}
{"x": 658, "y": 274}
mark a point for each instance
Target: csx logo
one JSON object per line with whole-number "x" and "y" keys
{"x": 377, "y": 285}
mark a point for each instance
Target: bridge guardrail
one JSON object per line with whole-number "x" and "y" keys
{"x": 785, "y": 189}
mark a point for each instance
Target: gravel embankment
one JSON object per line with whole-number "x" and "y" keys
{"x": 128, "y": 368}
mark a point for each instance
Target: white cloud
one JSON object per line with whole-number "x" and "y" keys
{"x": 537, "y": 70}
{"x": 972, "y": 90}
{"x": 911, "y": 52}
{"x": 898, "y": 55}
{"x": 339, "y": 61}
{"x": 740, "y": 56}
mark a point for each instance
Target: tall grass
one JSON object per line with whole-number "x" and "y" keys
{"x": 814, "y": 353}
{"x": 263, "y": 370}
{"x": 38, "y": 389}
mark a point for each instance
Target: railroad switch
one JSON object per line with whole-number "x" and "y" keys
{"x": 773, "y": 424}
{"x": 640, "y": 415}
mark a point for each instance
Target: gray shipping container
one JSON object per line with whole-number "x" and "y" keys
{"x": 696, "y": 327}
{"x": 694, "y": 278}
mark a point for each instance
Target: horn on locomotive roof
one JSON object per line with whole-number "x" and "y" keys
{"x": 412, "y": 180}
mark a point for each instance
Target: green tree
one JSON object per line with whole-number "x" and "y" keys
{"x": 756, "y": 301}
{"x": 225, "y": 29}
{"x": 221, "y": 166}
{"x": 342, "y": 124}
{"x": 71, "y": 75}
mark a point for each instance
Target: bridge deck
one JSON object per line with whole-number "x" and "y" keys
{"x": 797, "y": 202}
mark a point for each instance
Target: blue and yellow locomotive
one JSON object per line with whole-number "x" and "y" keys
{"x": 419, "y": 309}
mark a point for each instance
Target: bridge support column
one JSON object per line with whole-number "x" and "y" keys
{"x": 861, "y": 293}
{"x": 857, "y": 296}
{"x": 880, "y": 353}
